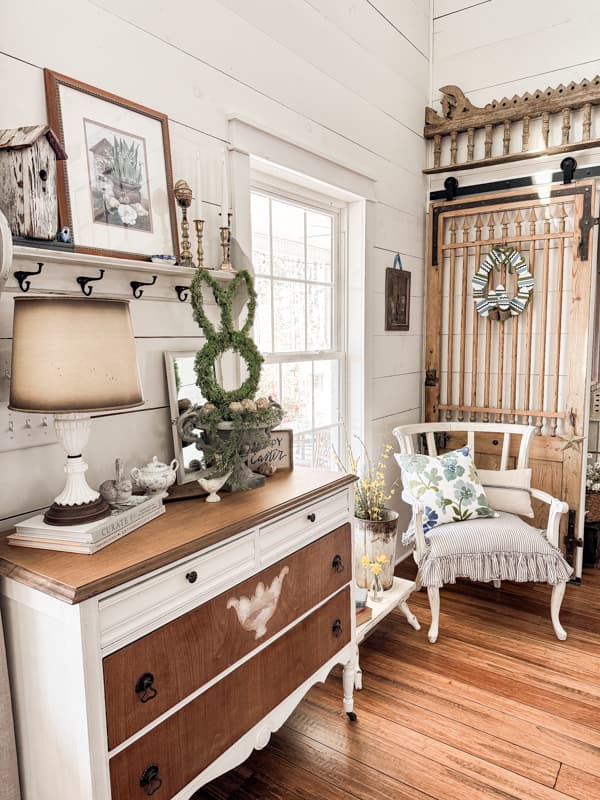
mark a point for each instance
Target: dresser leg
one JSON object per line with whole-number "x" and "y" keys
{"x": 348, "y": 684}
{"x": 357, "y": 672}
{"x": 412, "y": 620}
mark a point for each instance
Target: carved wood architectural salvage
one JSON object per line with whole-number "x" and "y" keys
{"x": 546, "y": 122}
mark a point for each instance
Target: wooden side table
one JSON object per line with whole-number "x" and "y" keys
{"x": 393, "y": 598}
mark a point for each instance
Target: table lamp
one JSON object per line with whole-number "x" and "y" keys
{"x": 73, "y": 356}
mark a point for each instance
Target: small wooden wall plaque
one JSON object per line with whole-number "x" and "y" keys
{"x": 397, "y": 299}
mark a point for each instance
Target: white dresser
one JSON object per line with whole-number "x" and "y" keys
{"x": 160, "y": 662}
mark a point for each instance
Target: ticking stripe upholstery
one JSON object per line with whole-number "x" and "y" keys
{"x": 504, "y": 548}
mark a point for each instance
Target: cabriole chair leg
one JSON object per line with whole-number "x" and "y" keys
{"x": 558, "y": 592}
{"x": 433, "y": 594}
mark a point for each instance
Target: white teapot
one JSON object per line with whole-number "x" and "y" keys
{"x": 155, "y": 477}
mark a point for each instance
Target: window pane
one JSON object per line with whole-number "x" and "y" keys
{"x": 262, "y": 324}
{"x": 288, "y": 310}
{"x": 318, "y": 246}
{"x": 269, "y": 382}
{"x": 325, "y": 442}
{"x": 319, "y": 321}
{"x": 261, "y": 257}
{"x": 316, "y": 449}
{"x": 326, "y": 384}
{"x": 296, "y": 394}
{"x": 288, "y": 240}
{"x": 303, "y": 450}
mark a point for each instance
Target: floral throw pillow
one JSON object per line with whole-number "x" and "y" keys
{"x": 447, "y": 485}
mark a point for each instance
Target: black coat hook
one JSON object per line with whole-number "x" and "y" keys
{"x": 182, "y": 293}
{"x": 83, "y": 281}
{"x": 24, "y": 284}
{"x": 135, "y": 287}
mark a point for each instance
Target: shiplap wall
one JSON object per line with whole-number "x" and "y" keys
{"x": 346, "y": 79}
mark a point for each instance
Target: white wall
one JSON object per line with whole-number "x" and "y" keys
{"x": 345, "y": 79}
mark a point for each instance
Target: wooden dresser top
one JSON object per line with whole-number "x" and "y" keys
{"x": 185, "y": 528}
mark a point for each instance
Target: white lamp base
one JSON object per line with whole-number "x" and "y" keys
{"x": 78, "y": 502}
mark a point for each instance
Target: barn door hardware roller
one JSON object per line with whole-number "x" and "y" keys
{"x": 568, "y": 166}
{"x": 450, "y": 187}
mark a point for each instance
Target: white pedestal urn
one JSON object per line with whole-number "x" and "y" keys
{"x": 375, "y": 538}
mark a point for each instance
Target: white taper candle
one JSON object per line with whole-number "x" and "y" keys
{"x": 197, "y": 190}
{"x": 224, "y": 191}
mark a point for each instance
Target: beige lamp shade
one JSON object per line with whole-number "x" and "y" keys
{"x": 73, "y": 354}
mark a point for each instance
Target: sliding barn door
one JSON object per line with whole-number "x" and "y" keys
{"x": 531, "y": 368}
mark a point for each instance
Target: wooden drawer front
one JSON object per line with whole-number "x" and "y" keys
{"x": 304, "y": 526}
{"x": 186, "y": 742}
{"x": 184, "y": 654}
{"x": 142, "y": 606}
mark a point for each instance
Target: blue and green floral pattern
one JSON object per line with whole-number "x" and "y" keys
{"x": 447, "y": 485}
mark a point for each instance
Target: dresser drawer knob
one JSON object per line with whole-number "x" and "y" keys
{"x": 311, "y": 517}
{"x": 150, "y": 780}
{"x": 144, "y": 687}
{"x": 337, "y": 563}
{"x": 336, "y": 628}
{"x": 191, "y": 577}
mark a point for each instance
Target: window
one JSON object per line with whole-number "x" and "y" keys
{"x": 299, "y": 320}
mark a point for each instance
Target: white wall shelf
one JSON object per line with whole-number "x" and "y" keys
{"x": 62, "y": 268}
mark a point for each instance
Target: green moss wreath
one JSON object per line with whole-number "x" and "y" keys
{"x": 227, "y": 338}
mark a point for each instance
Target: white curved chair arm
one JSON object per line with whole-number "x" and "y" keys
{"x": 557, "y": 509}
{"x": 417, "y": 520}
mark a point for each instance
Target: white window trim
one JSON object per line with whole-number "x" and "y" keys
{"x": 305, "y": 156}
{"x": 276, "y": 186}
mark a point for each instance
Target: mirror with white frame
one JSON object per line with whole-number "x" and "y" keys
{"x": 183, "y": 394}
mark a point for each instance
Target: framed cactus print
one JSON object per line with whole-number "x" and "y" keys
{"x": 115, "y": 190}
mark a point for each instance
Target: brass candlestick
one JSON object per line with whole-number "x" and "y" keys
{"x": 225, "y": 233}
{"x": 199, "y": 223}
{"x": 183, "y": 196}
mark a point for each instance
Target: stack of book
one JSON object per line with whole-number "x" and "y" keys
{"x": 92, "y": 536}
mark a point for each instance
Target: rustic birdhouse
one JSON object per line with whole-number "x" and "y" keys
{"x": 28, "y": 196}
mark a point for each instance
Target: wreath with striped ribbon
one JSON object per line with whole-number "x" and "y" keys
{"x": 496, "y": 304}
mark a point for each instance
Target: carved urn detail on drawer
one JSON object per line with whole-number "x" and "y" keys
{"x": 255, "y": 612}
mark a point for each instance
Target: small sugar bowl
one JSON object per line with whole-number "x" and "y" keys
{"x": 155, "y": 477}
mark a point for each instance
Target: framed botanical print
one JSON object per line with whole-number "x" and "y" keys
{"x": 397, "y": 299}
{"x": 115, "y": 190}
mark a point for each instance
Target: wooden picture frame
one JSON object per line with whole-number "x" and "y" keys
{"x": 280, "y": 452}
{"x": 397, "y": 299}
{"x": 115, "y": 191}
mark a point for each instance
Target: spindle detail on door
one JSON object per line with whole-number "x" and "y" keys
{"x": 530, "y": 368}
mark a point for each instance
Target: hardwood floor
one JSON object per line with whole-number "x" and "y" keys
{"x": 498, "y": 708}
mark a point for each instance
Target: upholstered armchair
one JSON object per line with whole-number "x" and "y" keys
{"x": 467, "y": 523}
